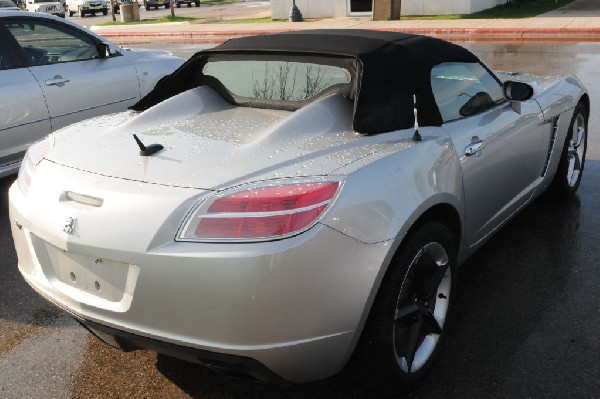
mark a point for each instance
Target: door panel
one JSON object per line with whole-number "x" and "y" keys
{"x": 23, "y": 114}
{"x": 508, "y": 152}
{"x": 82, "y": 89}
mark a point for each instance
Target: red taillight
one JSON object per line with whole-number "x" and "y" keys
{"x": 262, "y": 212}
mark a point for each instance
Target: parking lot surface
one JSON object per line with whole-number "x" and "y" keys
{"x": 525, "y": 324}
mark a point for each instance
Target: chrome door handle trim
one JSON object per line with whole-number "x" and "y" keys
{"x": 56, "y": 81}
{"x": 473, "y": 148}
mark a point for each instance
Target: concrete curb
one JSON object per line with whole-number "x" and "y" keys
{"x": 535, "y": 34}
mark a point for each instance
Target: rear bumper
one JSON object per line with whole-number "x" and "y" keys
{"x": 295, "y": 306}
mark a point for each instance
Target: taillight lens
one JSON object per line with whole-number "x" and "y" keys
{"x": 33, "y": 157}
{"x": 260, "y": 212}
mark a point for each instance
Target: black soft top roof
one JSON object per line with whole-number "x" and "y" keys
{"x": 391, "y": 67}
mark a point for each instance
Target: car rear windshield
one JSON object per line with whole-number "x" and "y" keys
{"x": 273, "y": 80}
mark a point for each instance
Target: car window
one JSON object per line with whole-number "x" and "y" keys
{"x": 48, "y": 43}
{"x": 7, "y": 4}
{"x": 276, "y": 80}
{"x": 464, "y": 89}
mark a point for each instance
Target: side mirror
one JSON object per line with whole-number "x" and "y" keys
{"x": 104, "y": 50}
{"x": 517, "y": 91}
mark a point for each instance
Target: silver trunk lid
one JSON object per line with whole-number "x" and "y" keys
{"x": 210, "y": 144}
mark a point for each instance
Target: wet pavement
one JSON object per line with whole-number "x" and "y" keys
{"x": 525, "y": 324}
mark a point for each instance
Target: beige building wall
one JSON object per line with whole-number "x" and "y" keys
{"x": 280, "y": 9}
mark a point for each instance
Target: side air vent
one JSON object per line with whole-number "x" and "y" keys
{"x": 554, "y": 123}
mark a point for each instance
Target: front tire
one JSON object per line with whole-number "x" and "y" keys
{"x": 406, "y": 325}
{"x": 572, "y": 159}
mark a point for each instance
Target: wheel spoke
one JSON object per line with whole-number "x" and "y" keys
{"x": 413, "y": 343}
{"x": 580, "y": 135}
{"x": 435, "y": 280}
{"x": 430, "y": 324}
{"x": 576, "y": 161}
{"x": 423, "y": 269}
{"x": 405, "y": 311}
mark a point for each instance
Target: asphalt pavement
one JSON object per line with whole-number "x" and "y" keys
{"x": 525, "y": 324}
{"x": 527, "y": 315}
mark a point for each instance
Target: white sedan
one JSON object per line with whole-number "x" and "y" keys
{"x": 54, "y": 73}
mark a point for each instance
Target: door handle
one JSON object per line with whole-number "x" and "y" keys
{"x": 474, "y": 147}
{"x": 57, "y": 81}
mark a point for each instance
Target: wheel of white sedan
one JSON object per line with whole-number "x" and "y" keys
{"x": 572, "y": 160}
{"x": 406, "y": 324}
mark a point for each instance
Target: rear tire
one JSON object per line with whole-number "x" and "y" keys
{"x": 405, "y": 327}
{"x": 572, "y": 159}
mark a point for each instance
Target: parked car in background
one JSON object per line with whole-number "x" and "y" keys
{"x": 51, "y": 7}
{"x": 188, "y": 2}
{"x": 54, "y": 73}
{"x": 86, "y": 7}
{"x": 8, "y": 5}
{"x": 156, "y": 3}
{"x": 284, "y": 204}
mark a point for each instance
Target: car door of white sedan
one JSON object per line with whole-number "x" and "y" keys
{"x": 77, "y": 83}
{"x": 501, "y": 151}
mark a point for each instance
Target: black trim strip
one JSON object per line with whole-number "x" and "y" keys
{"x": 220, "y": 362}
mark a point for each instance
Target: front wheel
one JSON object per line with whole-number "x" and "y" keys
{"x": 406, "y": 324}
{"x": 570, "y": 167}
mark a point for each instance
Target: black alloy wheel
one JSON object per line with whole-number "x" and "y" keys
{"x": 406, "y": 324}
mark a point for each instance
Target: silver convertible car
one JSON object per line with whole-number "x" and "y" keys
{"x": 282, "y": 204}
{"x": 54, "y": 73}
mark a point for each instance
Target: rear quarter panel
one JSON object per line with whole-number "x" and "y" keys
{"x": 385, "y": 193}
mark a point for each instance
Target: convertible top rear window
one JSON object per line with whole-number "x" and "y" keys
{"x": 388, "y": 71}
{"x": 275, "y": 80}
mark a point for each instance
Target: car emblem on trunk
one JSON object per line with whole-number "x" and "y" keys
{"x": 69, "y": 227}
